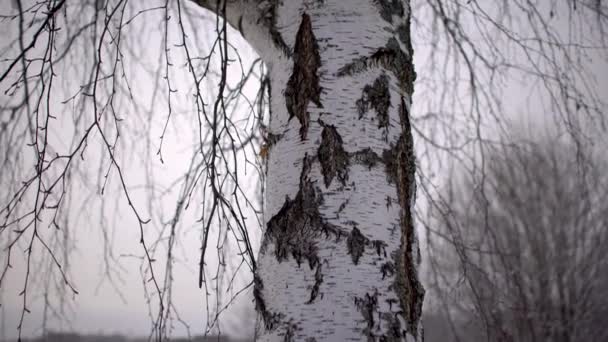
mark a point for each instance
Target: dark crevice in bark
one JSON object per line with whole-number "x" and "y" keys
{"x": 303, "y": 85}
{"x": 271, "y": 320}
{"x": 389, "y": 8}
{"x": 390, "y": 57}
{"x": 400, "y": 166}
{"x": 332, "y": 157}
{"x": 403, "y": 33}
{"x": 296, "y": 227}
{"x": 376, "y": 96}
{"x": 269, "y": 18}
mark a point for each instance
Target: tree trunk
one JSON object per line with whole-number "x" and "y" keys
{"x": 339, "y": 258}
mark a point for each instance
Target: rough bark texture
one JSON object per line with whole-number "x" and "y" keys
{"x": 303, "y": 86}
{"x": 340, "y": 253}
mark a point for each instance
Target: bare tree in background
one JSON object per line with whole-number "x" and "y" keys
{"x": 527, "y": 253}
{"x": 322, "y": 126}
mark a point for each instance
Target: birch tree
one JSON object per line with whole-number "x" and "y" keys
{"x": 339, "y": 256}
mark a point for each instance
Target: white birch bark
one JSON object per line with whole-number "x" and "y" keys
{"x": 339, "y": 257}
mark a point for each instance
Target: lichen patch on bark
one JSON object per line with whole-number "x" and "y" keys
{"x": 332, "y": 157}
{"x": 303, "y": 85}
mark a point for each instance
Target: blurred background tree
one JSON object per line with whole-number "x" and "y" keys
{"x": 524, "y": 257}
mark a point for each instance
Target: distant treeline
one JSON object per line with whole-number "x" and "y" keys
{"x": 73, "y": 337}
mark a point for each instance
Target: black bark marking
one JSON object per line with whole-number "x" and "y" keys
{"x": 378, "y": 97}
{"x": 356, "y": 244}
{"x": 342, "y": 207}
{"x": 332, "y": 157}
{"x": 379, "y": 246}
{"x": 394, "y": 333}
{"x": 389, "y": 202}
{"x": 387, "y": 269}
{"x": 388, "y": 8}
{"x": 400, "y": 166}
{"x": 390, "y": 57}
{"x": 368, "y": 306}
{"x": 271, "y": 320}
{"x": 303, "y": 85}
{"x": 298, "y": 224}
{"x": 317, "y": 285}
{"x": 290, "y": 333}
{"x": 365, "y": 157}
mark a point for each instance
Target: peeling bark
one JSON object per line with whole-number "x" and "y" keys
{"x": 303, "y": 85}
